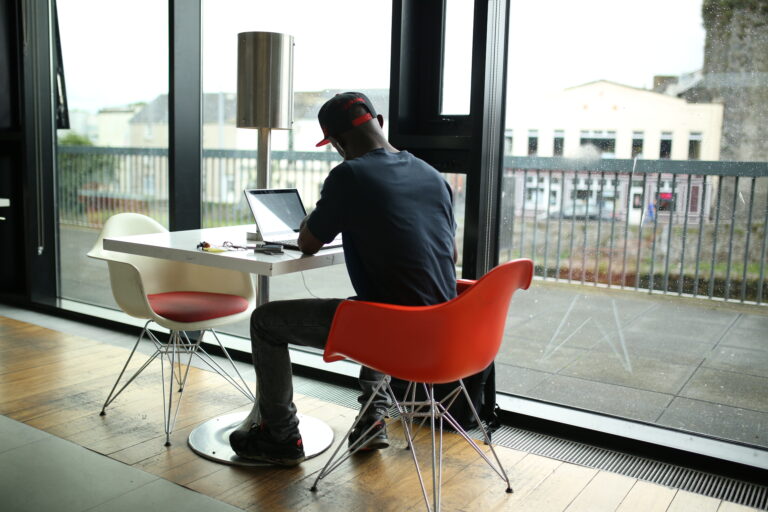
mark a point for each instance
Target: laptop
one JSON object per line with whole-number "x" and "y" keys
{"x": 278, "y": 214}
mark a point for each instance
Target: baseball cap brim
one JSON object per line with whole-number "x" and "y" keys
{"x": 355, "y": 122}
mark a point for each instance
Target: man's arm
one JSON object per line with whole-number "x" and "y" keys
{"x": 307, "y": 242}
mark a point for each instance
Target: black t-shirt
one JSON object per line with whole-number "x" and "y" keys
{"x": 395, "y": 214}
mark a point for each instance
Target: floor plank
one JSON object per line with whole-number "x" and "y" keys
{"x": 685, "y": 501}
{"x": 605, "y": 492}
{"x": 647, "y": 497}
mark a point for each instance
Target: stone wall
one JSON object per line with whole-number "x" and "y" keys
{"x": 736, "y": 75}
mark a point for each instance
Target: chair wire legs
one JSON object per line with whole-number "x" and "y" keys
{"x": 430, "y": 412}
{"x": 333, "y": 462}
{"x": 172, "y": 353}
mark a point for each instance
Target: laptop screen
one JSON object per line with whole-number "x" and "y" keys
{"x": 276, "y": 211}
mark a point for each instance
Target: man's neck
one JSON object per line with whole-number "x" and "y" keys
{"x": 362, "y": 150}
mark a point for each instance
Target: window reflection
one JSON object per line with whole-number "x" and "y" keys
{"x": 636, "y": 224}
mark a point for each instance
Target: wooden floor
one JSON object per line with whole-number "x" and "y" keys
{"x": 57, "y": 382}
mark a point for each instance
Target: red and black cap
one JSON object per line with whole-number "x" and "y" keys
{"x": 335, "y": 117}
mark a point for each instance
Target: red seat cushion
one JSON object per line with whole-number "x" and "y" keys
{"x": 195, "y": 306}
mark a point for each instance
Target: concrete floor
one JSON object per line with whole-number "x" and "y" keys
{"x": 39, "y": 471}
{"x": 694, "y": 365}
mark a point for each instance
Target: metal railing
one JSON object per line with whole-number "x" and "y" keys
{"x": 226, "y": 173}
{"x": 674, "y": 227}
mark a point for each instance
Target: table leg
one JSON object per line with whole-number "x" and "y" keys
{"x": 262, "y": 290}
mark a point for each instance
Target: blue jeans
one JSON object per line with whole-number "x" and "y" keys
{"x": 305, "y": 322}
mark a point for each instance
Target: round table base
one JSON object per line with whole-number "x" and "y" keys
{"x": 211, "y": 439}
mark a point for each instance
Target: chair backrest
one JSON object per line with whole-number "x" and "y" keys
{"x": 436, "y": 344}
{"x": 123, "y": 224}
{"x": 132, "y": 277}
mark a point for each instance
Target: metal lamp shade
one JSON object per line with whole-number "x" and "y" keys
{"x": 264, "y": 80}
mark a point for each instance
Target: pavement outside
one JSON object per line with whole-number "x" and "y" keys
{"x": 689, "y": 364}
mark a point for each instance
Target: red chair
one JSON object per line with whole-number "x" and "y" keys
{"x": 429, "y": 345}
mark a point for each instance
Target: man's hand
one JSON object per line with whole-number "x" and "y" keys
{"x": 307, "y": 242}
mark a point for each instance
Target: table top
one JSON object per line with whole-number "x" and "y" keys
{"x": 182, "y": 246}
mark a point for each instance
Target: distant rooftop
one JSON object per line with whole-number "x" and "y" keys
{"x": 223, "y": 106}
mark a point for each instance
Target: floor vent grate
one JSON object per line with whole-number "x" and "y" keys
{"x": 700, "y": 482}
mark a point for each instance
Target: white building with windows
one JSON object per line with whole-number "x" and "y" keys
{"x": 617, "y": 121}
{"x": 606, "y": 120}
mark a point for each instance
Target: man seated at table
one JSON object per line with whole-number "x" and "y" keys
{"x": 395, "y": 214}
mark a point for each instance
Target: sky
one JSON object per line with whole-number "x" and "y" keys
{"x": 116, "y": 53}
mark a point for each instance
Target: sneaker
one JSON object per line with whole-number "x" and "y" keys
{"x": 377, "y": 435}
{"x": 258, "y": 444}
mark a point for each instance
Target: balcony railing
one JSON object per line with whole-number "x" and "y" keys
{"x": 674, "y": 227}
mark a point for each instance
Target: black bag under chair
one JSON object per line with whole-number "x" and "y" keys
{"x": 482, "y": 390}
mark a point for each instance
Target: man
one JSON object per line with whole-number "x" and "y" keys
{"x": 395, "y": 214}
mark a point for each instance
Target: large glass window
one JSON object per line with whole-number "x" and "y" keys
{"x": 114, "y": 156}
{"x": 339, "y": 48}
{"x": 663, "y": 319}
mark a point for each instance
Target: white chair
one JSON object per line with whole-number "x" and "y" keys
{"x": 178, "y": 296}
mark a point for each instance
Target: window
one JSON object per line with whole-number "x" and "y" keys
{"x": 114, "y": 156}
{"x": 532, "y": 193}
{"x": 637, "y": 144}
{"x": 315, "y": 79}
{"x": 604, "y": 142}
{"x": 228, "y": 150}
{"x": 582, "y": 194}
{"x": 558, "y": 143}
{"x": 457, "y": 55}
{"x": 533, "y": 142}
{"x": 608, "y": 107}
{"x": 694, "y": 202}
{"x": 666, "y": 201}
{"x": 665, "y": 146}
{"x": 694, "y": 146}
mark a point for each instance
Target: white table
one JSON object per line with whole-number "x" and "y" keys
{"x": 211, "y": 439}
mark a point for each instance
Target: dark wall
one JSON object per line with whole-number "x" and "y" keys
{"x": 8, "y": 117}
{"x": 12, "y": 268}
